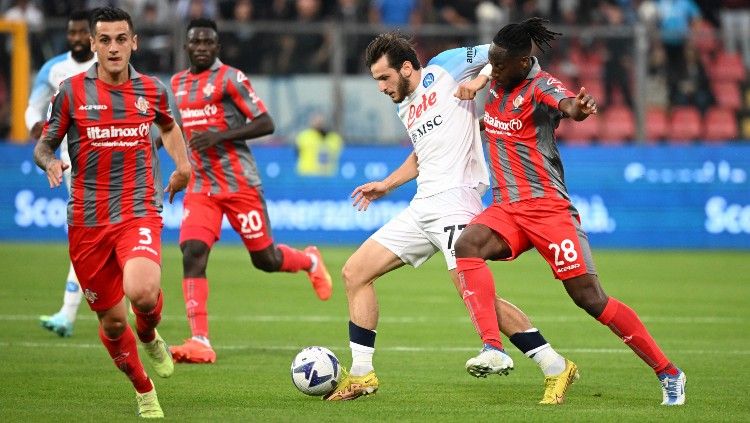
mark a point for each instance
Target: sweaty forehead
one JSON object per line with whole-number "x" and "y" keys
{"x": 202, "y": 33}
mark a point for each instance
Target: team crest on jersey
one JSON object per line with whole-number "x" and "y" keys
{"x": 90, "y": 295}
{"x": 142, "y": 105}
{"x": 208, "y": 89}
{"x": 428, "y": 80}
{"x": 517, "y": 102}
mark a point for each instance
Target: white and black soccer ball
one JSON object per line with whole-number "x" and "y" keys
{"x": 316, "y": 371}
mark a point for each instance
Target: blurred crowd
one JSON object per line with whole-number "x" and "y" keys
{"x": 691, "y": 42}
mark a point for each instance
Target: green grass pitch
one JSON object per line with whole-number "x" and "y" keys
{"x": 695, "y": 303}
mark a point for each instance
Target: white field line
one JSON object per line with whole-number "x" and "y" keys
{"x": 406, "y": 319}
{"x": 395, "y": 348}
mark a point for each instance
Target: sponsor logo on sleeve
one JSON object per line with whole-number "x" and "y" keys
{"x": 470, "y": 54}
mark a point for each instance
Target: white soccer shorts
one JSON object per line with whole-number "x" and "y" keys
{"x": 430, "y": 225}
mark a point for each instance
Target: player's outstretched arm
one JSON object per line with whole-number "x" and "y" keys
{"x": 44, "y": 157}
{"x": 364, "y": 194}
{"x": 174, "y": 143}
{"x": 580, "y": 106}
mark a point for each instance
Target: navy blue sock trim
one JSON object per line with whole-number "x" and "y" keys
{"x": 361, "y": 336}
{"x": 527, "y": 341}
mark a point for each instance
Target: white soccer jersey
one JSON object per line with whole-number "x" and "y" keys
{"x": 443, "y": 129}
{"x": 52, "y": 73}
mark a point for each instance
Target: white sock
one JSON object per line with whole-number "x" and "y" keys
{"x": 72, "y": 296}
{"x": 203, "y": 340}
{"x": 361, "y": 359}
{"x": 548, "y": 360}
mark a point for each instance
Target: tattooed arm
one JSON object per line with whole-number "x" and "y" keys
{"x": 44, "y": 157}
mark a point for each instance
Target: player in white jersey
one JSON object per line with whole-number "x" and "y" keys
{"x": 78, "y": 59}
{"x": 448, "y": 164}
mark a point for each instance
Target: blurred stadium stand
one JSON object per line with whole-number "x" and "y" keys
{"x": 612, "y": 47}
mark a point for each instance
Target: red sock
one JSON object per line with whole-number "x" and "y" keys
{"x": 624, "y": 322}
{"x": 293, "y": 260}
{"x": 195, "y": 291}
{"x": 478, "y": 291}
{"x": 125, "y": 355}
{"x": 145, "y": 322}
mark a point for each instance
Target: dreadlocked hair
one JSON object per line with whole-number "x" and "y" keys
{"x": 517, "y": 37}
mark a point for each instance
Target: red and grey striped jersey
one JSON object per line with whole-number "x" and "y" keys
{"x": 115, "y": 168}
{"x": 520, "y": 134}
{"x": 218, "y": 99}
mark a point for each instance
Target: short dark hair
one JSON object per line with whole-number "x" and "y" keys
{"x": 395, "y": 46}
{"x": 110, "y": 14}
{"x": 79, "y": 15}
{"x": 202, "y": 23}
{"x": 517, "y": 37}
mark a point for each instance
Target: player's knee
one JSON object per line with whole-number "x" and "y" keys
{"x": 113, "y": 328}
{"x": 266, "y": 263}
{"x": 144, "y": 299}
{"x": 466, "y": 247}
{"x": 194, "y": 258}
{"x": 350, "y": 276}
{"x": 591, "y": 300}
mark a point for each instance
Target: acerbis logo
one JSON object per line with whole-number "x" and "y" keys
{"x": 428, "y": 80}
{"x": 86, "y": 107}
{"x": 99, "y": 133}
{"x": 568, "y": 267}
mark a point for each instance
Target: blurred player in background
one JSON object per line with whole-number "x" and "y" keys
{"x": 448, "y": 164}
{"x": 531, "y": 207}
{"x": 77, "y": 60}
{"x": 219, "y": 111}
{"x": 114, "y": 226}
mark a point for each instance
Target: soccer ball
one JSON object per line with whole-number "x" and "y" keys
{"x": 316, "y": 371}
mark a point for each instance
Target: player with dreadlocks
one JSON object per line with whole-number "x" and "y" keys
{"x": 531, "y": 207}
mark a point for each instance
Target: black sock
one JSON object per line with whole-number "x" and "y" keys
{"x": 527, "y": 341}
{"x": 361, "y": 336}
